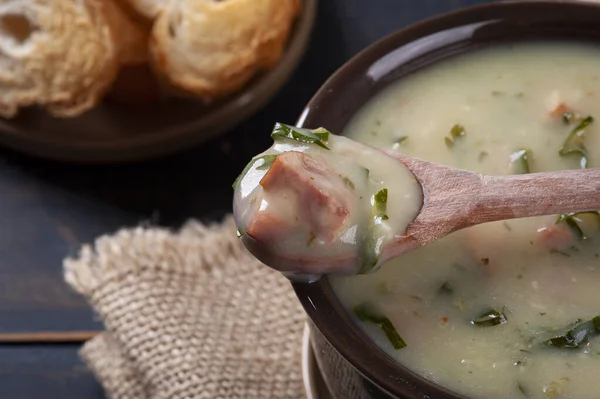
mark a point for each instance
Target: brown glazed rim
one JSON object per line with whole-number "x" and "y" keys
{"x": 376, "y": 67}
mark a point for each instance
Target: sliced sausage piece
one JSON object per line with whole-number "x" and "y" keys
{"x": 322, "y": 198}
{"x": 556, "y": 237}
{"x": 268, "y": 227}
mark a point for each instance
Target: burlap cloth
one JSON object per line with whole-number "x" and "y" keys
{"x": 188, "y": 315}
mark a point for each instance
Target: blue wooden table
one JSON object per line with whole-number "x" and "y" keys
{"x": 47, "y": 210}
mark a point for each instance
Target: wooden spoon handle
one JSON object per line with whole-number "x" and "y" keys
{"x": 454, "y": 199}
{"x": 516, "y": 196}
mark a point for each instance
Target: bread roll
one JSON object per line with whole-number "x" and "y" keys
{"x": 58, "y": 54}
{"x": 212, "y": 48}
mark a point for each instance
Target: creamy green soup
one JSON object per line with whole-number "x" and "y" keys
{"x": 507, "y": 309}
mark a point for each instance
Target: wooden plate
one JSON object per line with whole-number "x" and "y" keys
{"x": 115, "y": 132}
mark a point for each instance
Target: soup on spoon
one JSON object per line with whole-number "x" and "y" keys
{"x": 316, "y": 196}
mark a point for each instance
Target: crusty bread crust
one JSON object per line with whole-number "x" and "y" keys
{"x": 61, "y": 55}
{"x": 148, "y": 8}
{"x": 212, "y": 48}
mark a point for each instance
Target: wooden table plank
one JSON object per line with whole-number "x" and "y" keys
{"x": 48, "y": 372}
{"x": 47, "y": 337}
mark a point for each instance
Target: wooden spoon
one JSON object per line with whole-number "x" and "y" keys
{"x": 454, "y": 199}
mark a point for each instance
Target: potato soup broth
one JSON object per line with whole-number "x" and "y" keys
{"x": 477, "y": 308}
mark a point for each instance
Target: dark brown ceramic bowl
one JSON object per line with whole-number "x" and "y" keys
{"x": 118, "y": 131}
{"x": 353, "y": 366}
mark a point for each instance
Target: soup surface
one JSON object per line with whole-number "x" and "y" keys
{"x": 507, "y": 309}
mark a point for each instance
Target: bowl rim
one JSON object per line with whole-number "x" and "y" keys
{"x": 318, "y": 300}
